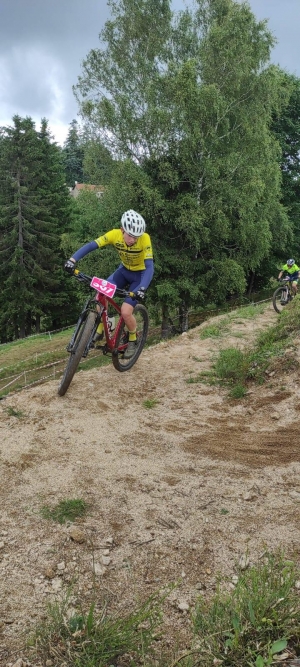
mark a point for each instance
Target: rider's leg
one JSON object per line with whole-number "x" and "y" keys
{"x": 294, "y": 287}
{"x": 130, "y": 280}
{"x": 129, "y": 319}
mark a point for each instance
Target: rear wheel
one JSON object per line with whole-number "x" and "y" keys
{"x": 281, "y": 298}
{"x": 142, "y": 323}
{"x": 84, "y": 334}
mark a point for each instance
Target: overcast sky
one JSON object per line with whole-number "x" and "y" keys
{"x": 43, "y": 43}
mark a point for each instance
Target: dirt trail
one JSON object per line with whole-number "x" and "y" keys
{"x": 179, "y": 492}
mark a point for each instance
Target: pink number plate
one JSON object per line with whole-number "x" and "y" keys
{"x": 103, "y": 286}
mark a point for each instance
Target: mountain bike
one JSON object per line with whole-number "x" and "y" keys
{"x": 115, "y": 341}
{"x": 283, "y": 295}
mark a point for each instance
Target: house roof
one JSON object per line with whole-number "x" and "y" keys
{"x": 80, "y": 187}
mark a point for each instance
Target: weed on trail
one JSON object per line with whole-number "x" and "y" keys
{"x": 14, "y": 413}
{"x": 235, "y": 368}
{"x": 66, "y": 510}
{"x": 255, "y": 624}
{"x": 95, "y": 639}
{"x": 150, "y": 403}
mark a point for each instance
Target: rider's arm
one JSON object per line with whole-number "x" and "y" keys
{"x": 146, "y": 274}
{"x": 84, "y": 250}
{"x": 281, "y": 272}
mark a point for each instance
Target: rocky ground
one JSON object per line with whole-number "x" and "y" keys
{"x": 195, "y": 486}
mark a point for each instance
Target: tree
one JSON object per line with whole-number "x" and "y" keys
{"x": 286, "y": 128}
{"x": 34, "y": 211}
{"x": 73, "y": 154}
{"x": 98, "y": 162}
{"x": 191, "y": 104}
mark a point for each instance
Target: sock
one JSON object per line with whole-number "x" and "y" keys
{"x": 100, "y": 328}
{"x": 132, "y": 335}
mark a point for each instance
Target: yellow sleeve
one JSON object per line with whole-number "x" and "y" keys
{"x": 147, "y": 247}
{"x": 107, "y": 239}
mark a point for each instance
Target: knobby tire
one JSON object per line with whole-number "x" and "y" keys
{"x": 80, "y": 344}
{"x": 277, "y": 296}
{"x": 121, "y": 364}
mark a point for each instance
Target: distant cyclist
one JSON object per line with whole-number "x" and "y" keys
{"x": 293, "y": 272}
{"x": 135, "y": 271}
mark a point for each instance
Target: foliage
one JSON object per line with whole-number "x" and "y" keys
{"x": 34, "y": 211}
{"x": 98, "y": 162}
{"x": 73, "y": 154}
{"x": 186, "y": 112}
{"x": 94, "y": 638}
{"x": 236, "y": 368}
{"x": 255, "y": 621}
{"x": 286, "y": 128}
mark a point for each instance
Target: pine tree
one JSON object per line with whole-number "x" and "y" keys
{"x": 33, "y": 204}
{"x": 73, "y": 154}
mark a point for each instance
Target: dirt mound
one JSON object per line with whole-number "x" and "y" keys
{"x": 177, "y": 492}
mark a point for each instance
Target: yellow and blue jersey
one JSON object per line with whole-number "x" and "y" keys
{"x": 290, "y": 269}
{"x": 132, "y": 257}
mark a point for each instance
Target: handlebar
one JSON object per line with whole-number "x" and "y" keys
{"x": 83, "y": 278}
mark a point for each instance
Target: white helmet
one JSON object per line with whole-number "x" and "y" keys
{"x": 133, "y": 223}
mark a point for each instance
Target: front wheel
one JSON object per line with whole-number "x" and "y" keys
{"x": 281, "y": 298}
{"x": 83, "y": 337}
{"x": 142, "y": 323}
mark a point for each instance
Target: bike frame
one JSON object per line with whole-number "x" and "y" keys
{"x": 111, "y": 338}
{"x": 287, "y": 283}
{"x": 99, "y": 303}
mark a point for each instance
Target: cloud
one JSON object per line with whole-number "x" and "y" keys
{"x": 42, "y": 45}
{"x": 33, "y": 82}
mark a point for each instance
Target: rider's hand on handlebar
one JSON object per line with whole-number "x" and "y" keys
{"x": 70, "y": 266}
{"x": 140, "y": 294}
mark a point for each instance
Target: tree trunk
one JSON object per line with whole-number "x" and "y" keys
{"x": 250, "y": 288}
{"x": 183, "y": 317}
{"x": 165, "y": 322}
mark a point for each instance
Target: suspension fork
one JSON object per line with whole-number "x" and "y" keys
{"x": 82, "y": 317}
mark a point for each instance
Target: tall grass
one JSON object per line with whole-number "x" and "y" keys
{"x": 258, "y": 619}
{"x": 236, "y": 368}
{"x": 96, "y": 639}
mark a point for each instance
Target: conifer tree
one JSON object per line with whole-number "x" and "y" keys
{"x": 34, "y": 210}
{"x": 73, "y": 154}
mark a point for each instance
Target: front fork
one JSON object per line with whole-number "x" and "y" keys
{"x": 83, "y": 315}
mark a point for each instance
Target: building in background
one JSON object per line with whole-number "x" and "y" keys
{"x": 79, "y": 187}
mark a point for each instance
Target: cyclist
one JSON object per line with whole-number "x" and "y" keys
{"x": 135, "y": 271}
{"x": 293, "y": 272}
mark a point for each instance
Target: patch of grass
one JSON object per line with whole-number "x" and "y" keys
{"x": 231, "y": 365}
{"x": 204, "y": 376}
{"x": 238, "y": 391}
{"x": 65, "y": 510}
{"x": 94, "y": 639}
{"x": 253, "y": 623}
{"x": 214, "y": 330}
{"x": 236, "y": 368}
{"x": 248, "y": 312}
{"x": 150, "y": 403}
{"x": 14, "y": 413}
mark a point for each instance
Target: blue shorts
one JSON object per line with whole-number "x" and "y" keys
{"x": 293, "y": 277}
{"x": 124, "y": 278}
